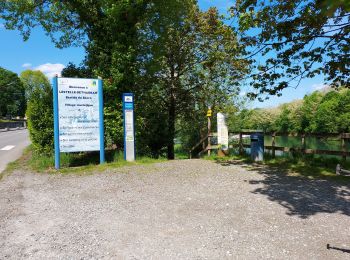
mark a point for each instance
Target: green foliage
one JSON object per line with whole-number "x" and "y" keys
{"x": 73, "y": 71}
{"x": 191, "y": 60}
{"x": 316, "y": 113}
{"x": 113, "y": 122}
{"x": 12, "y": 101}
{"x": 289, "y": 119}
{"x": 39, "y": 111}
{"x": 176, "y": 59}
{"x": 32, "y": 79}
{"x": 327, "y": 113}
{"x": 308, "y": 110}
{"x": 290, "y": 40}
{"x": 256, "y": 119}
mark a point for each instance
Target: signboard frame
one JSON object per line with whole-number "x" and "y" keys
{"x": 128, "y": 106}
{"x": 55, "y": 88}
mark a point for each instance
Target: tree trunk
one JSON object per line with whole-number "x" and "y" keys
{"x": 171, "y": 128}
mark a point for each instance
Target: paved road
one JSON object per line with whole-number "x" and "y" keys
{"x": 12, "y": 144}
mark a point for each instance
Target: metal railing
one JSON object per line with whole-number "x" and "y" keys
{"x": 13, "y": 125}
{"x": 342, "y": 137}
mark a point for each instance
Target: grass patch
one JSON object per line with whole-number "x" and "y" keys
{"x": 18, "y": 164}
{"x": 77, "y": 163}
{"x": 180, "y": 152}
{"x": 301, "y": 166}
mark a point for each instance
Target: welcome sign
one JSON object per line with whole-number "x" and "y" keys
{"x": 78, "y": 107}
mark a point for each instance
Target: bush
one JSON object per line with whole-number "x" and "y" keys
{"x": 40, "y": 119}
{"x": 113, "y": 124}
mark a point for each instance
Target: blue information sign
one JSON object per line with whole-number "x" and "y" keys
{"x": 78, "y": 116}
{"x": 129, "y": 127}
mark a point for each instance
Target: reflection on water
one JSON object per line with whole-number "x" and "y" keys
{"x": 331, "y": 143}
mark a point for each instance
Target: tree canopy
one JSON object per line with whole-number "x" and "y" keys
{"x": 12, "y": 101}
{"x": 290, "y": 40}
{"x": 174, "y": 57}
{"x": 319, "y": 112}
{"x": 32, "y": 79}
{"x": 189, "y": 60}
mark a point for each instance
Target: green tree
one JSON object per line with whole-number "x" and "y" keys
{"x": 328, "y": 113}
{"x": 296, "y": 39}
{"x": 73, "y": 71}
{"x": 32, "y": 79}
{"x": 192, "y": 60}
{"x": 344, "y": 111}
{"x": 283, "y": 123}
{"x": 308, "y": 111}
{"x": 12, "y": 101}
{"x": 164, "y": 51}
{"x": 289, "y": 118}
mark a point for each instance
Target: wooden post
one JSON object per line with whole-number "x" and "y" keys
{"x": 240, "y": 144}
{"x": 273, "y": 145}
{"x": 209, "y": 133}
{"x": 343, "y": 146}
{"x": 203, "y": 144}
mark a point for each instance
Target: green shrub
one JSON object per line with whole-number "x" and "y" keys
{"x": 40, "y": 119}
{"x": 113, "y": 123}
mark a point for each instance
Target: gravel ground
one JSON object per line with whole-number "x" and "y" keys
{"x": 190, "y": 209}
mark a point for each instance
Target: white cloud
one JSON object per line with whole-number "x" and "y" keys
{"x": 318, "y": 86}
{"x": 50, "y": 70}
{"x": 26, "y": 65}
{"x": 243, "y": 93}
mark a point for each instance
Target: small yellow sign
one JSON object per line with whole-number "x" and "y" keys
{"x": 209, "y": 112}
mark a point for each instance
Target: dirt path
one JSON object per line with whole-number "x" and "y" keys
{"x": 191, "y": 209}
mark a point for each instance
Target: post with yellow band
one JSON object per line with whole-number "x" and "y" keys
{"x": 209, "y": 114}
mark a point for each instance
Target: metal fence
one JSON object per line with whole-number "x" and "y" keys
{"x": 13, "y": 125}
{"x": 206, "y": 144}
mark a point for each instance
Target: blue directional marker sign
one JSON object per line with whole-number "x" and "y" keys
{"x": 129, "y": 127}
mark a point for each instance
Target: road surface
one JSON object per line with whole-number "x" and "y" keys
{"x": 12, "y": 144}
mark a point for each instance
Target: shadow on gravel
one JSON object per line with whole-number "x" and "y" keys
{"x": 83, "y": 159}
{"x": 344, "y": 250}
{"x": 301, "y": 197}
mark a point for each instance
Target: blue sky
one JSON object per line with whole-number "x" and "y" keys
{"x": 40, "y": 53}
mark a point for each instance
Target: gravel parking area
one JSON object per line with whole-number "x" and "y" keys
{"x": 189, "y": 209}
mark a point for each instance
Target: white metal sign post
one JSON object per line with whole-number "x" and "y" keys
{"x": 129, "y": 127}
{"x": 78, "y": 116}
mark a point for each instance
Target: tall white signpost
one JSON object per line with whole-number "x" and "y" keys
{"x": 129, "y": 127}
{"x": 78, "y": 116}
{"x": 222, "y": 131}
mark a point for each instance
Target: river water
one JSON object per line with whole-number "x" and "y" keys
{"x": 331, "y": 143}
